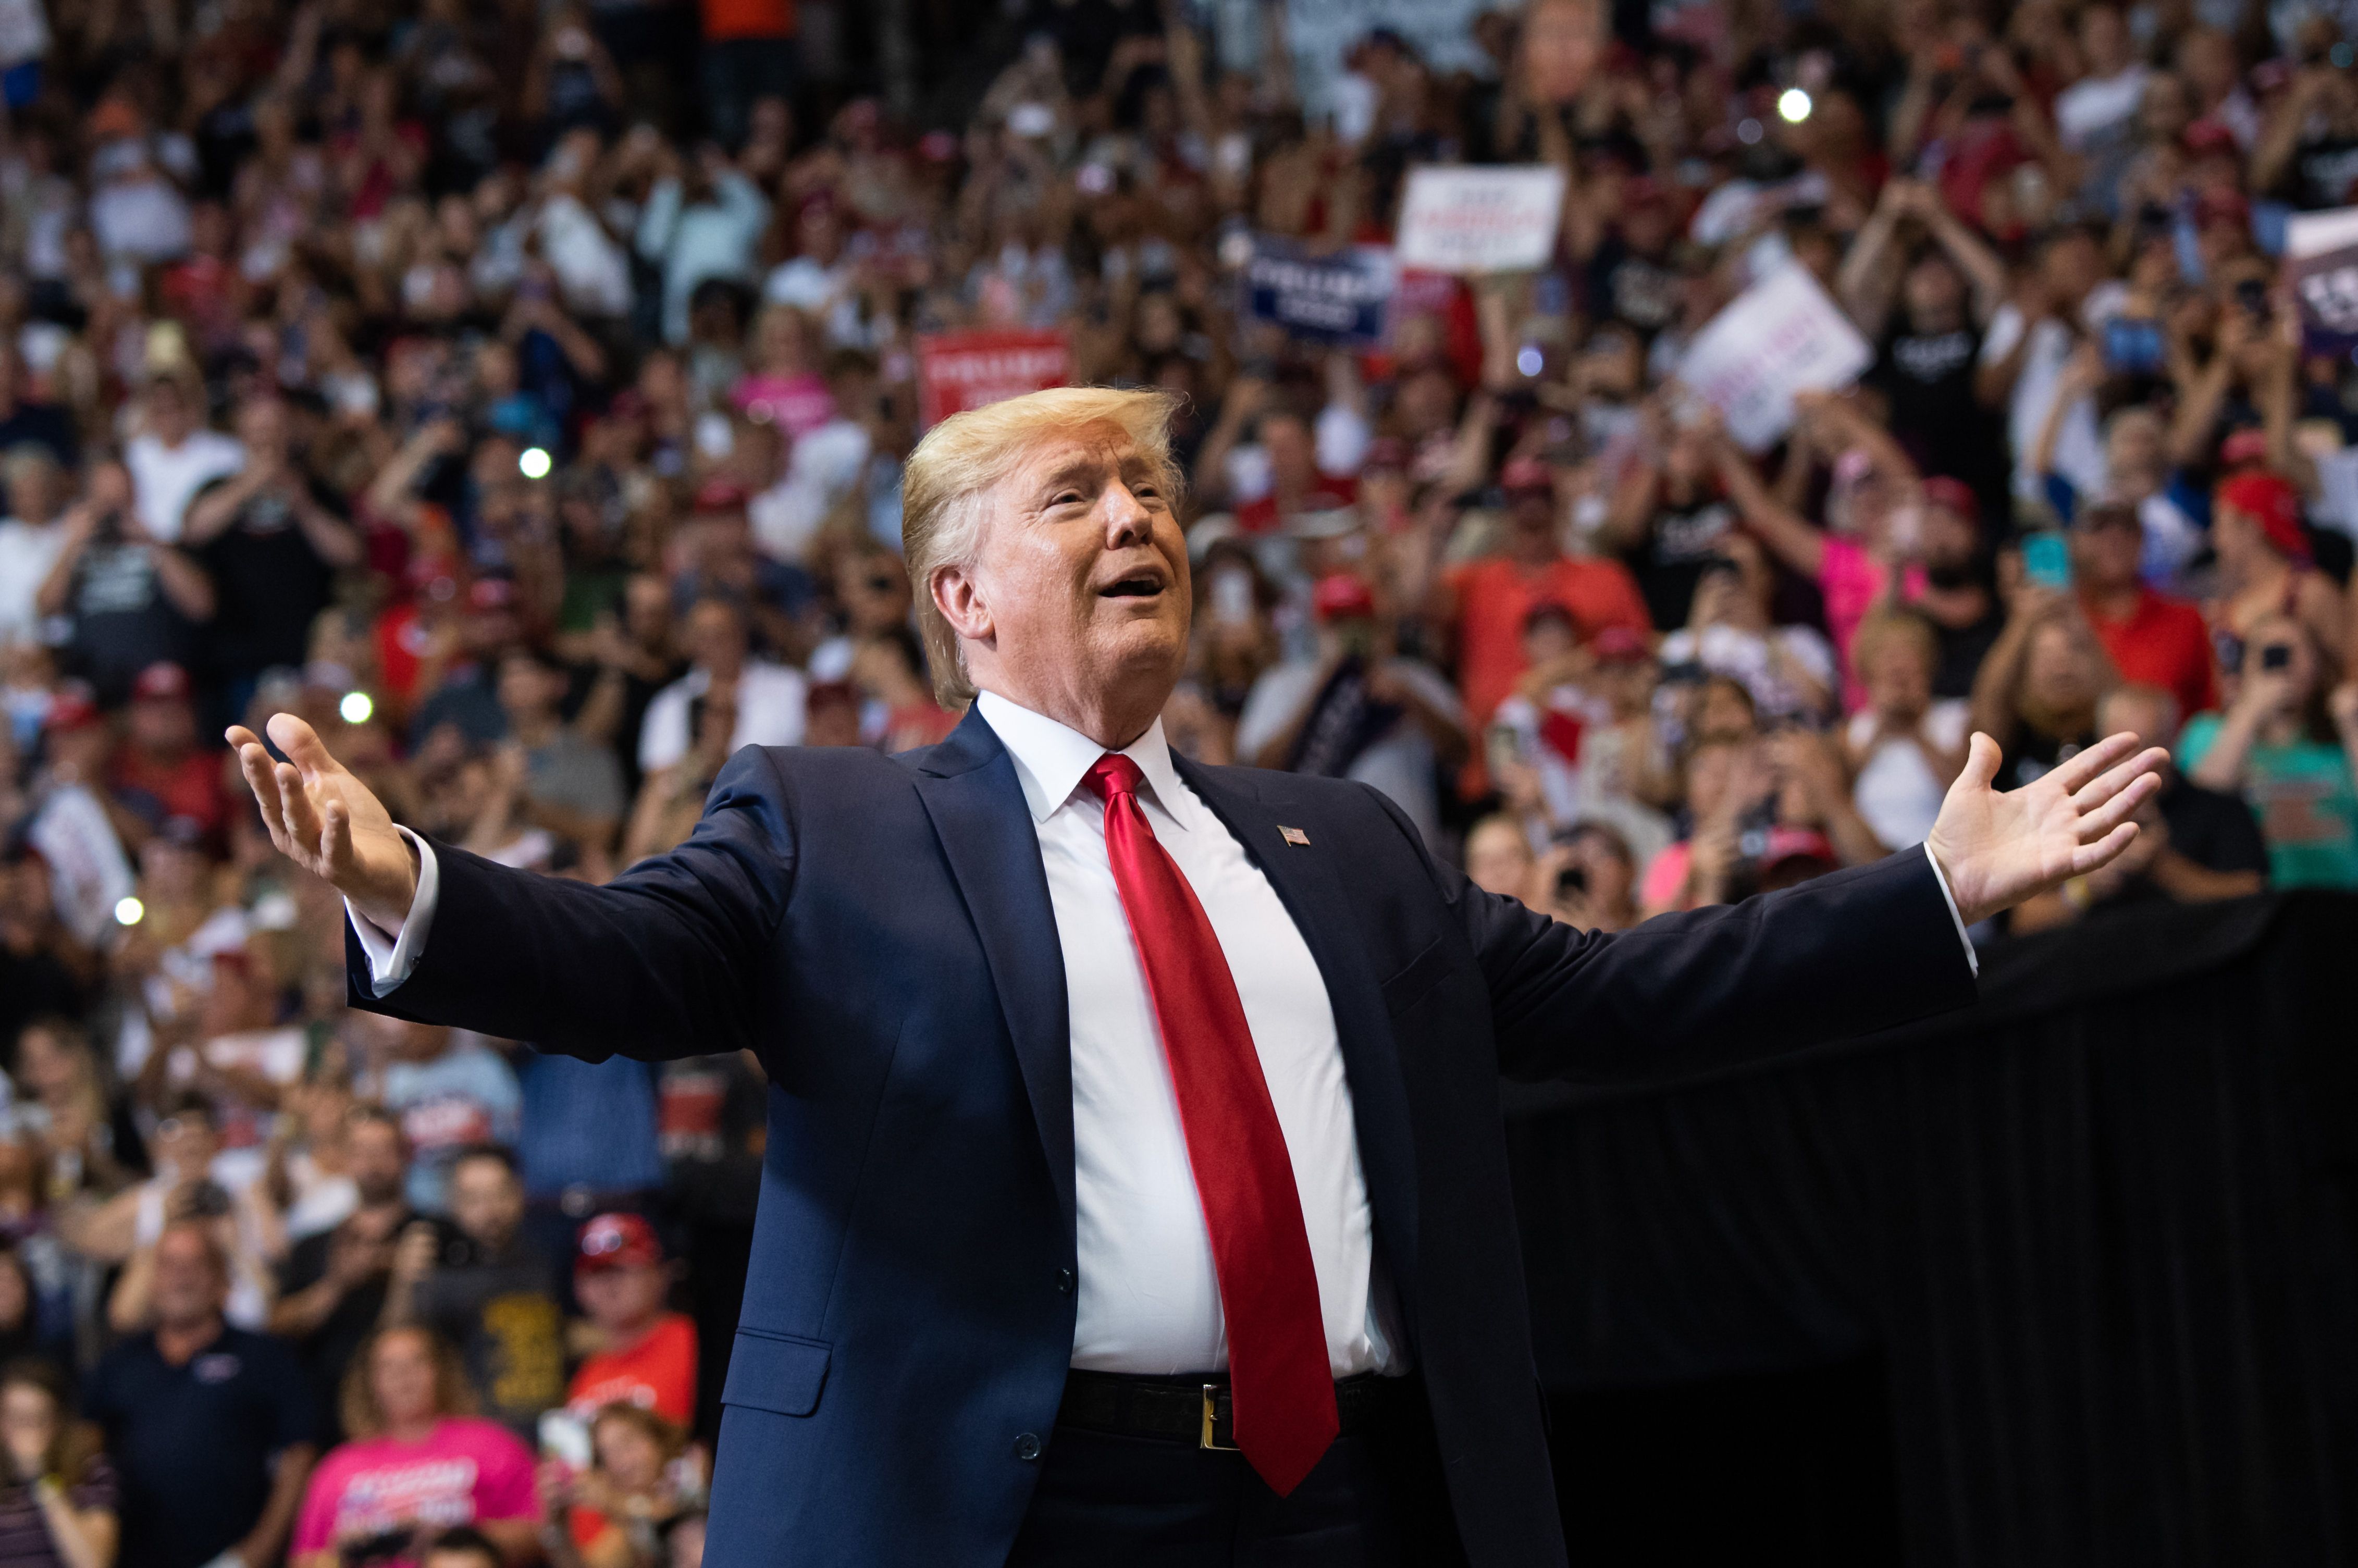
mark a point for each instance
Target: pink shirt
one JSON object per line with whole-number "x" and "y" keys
{"x": 798, "y": 404}
{"x": 1852, "y": 580}
{"x": 466, "y": 1471}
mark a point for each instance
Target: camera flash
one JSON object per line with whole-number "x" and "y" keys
{"x": 129, "y": 912}
{"x": 1794, "y": 105}
{"x": 356, "y": 707}
{"x": 533, "y": 462}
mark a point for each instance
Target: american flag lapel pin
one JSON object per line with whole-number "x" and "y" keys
{"x": 1294, "y": 835}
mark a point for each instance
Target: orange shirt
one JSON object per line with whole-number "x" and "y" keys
{"x": 1495, "y": 594}
{"x": 657, "y": 1373}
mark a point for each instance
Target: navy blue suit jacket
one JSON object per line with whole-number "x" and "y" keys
{"x": 878, "y": 931}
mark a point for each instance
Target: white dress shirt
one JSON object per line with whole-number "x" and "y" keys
{"x": 772, "y": 707}
{"x": 1149, "y": 1296}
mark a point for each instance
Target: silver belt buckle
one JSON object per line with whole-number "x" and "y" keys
{"x": 1211, "y": 1395}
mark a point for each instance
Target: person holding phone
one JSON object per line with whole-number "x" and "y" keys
{"x": 418, "y": 1464}
{"x": 2289, "y": 749}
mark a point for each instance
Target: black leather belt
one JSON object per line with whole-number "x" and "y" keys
{"x": 1197, "y": 1409}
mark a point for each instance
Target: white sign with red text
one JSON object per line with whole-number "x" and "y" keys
{"x": 1781, "y": 336}
{"x": 1468, "y": 219}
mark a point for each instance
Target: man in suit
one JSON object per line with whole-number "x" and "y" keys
{"x": 1134, "y": 1190}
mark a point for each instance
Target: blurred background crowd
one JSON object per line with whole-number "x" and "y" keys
{"x": 519, "y": 392}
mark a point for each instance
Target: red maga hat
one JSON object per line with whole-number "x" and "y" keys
{"x": 1955, "y": 496}
{"x": 1340, "y": 595}
{"x": 161, "y": 681}
{"x": 2270, "y": 500}
{"x": 616, "y": 1241}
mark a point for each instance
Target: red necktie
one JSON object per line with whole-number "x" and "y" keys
{"x": 1278, "y": 1377}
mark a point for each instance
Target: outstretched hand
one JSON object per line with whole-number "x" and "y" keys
{"x": 1998, "y": 847}
{"x": 327, "y": 821}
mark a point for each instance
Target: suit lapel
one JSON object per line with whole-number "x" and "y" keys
{"x": 1308, "y": 885}
{"x": 969, "y": 789}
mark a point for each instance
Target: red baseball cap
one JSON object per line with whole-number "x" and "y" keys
{"x": 616, "y": 1241}
{"x": 1618, "y": 645}
{"x": 1523, "y": 475}
{"x": 162, "y": 681}
{"x": 720, "y": 495}
{"x": 1340, "y": 595}
{"x": 71, "y": 708}
{"x": 1786, "y": 843}
{"x": 2270, "y": 500}
{"x": 2245, "y": 447}
{"x": 1955, "y": 496}
{"x": 2204, "y": 137}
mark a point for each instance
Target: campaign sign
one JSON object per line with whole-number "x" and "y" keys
{"x": 1778, "y": 337}
{"x": 958, "y": 371}
{"x": 2320, "y": 263}
{"x": 1464, "y": 219}
{"x": 1338, "y": 297}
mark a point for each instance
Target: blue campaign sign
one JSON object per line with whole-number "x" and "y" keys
{"x": 1338, "y": 297}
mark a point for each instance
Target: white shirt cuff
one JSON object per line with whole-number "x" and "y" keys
{"x": 392, "y": 955}
{"x": 1972, "y": 957}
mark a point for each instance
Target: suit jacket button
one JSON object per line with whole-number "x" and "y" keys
{"x": 1063, "y": 1281}
{"x": 1027, "y": 1447}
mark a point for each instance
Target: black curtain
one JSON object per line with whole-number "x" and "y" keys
{"x": 2098, "y": 1230}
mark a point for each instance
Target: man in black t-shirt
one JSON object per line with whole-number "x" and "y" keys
{"x": 273, "y": 537}
{"x": 484, "y": 1288}
{"x": 212, "y": 1429}
{"x": 332, "y": 1288}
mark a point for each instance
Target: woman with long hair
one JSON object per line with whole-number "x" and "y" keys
{"x": 418, "y": 1464}
{"x": 58, "y": 1507}
{"x": 2290, "y": 750}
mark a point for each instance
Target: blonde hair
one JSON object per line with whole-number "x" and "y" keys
{"x": 357, "y": 1401}
{"x": 1887, "y": 628}
{"x": 945, "y": 489}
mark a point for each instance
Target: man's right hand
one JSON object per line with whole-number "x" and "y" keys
{"x": 327, "y": 821}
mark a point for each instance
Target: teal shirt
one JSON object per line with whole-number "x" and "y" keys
{"x": 2307, "y": 810}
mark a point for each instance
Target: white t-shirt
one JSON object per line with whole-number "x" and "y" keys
{"x": 1401, "y": 763}
{"x": 28, "y": 552}
{"x": 820, "y": 472}
{"x": 164, "y": 480}
{"x": 1897, "y": 794}
{"x": 1743, "y": 656}
{"x": 2078, "y": 445}
{"x": 2093, "y": 108}
{"x": 771, "y": 708}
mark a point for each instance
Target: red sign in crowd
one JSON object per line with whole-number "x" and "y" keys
{"x": 958, "y": 371}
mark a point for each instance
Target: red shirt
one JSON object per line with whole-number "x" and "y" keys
{"x": 1326, "y": 492}
{"x": 191, "y": 787}
{"x": 2163, "y": 641}
{"x": 658, "y": 1373}
{"x": 1496, "y": 594}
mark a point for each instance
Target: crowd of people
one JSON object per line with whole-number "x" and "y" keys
{"x": 532, "y": 424}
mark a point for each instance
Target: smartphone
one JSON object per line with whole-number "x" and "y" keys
{"x": 2047, "y": 561}
{"x": 2132, "y": 347}
{"x": 1503, "y": 743}
{"x": 564, "y": 1437}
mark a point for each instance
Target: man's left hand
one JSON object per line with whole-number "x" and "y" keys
{"x": 1997, "y": 849}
